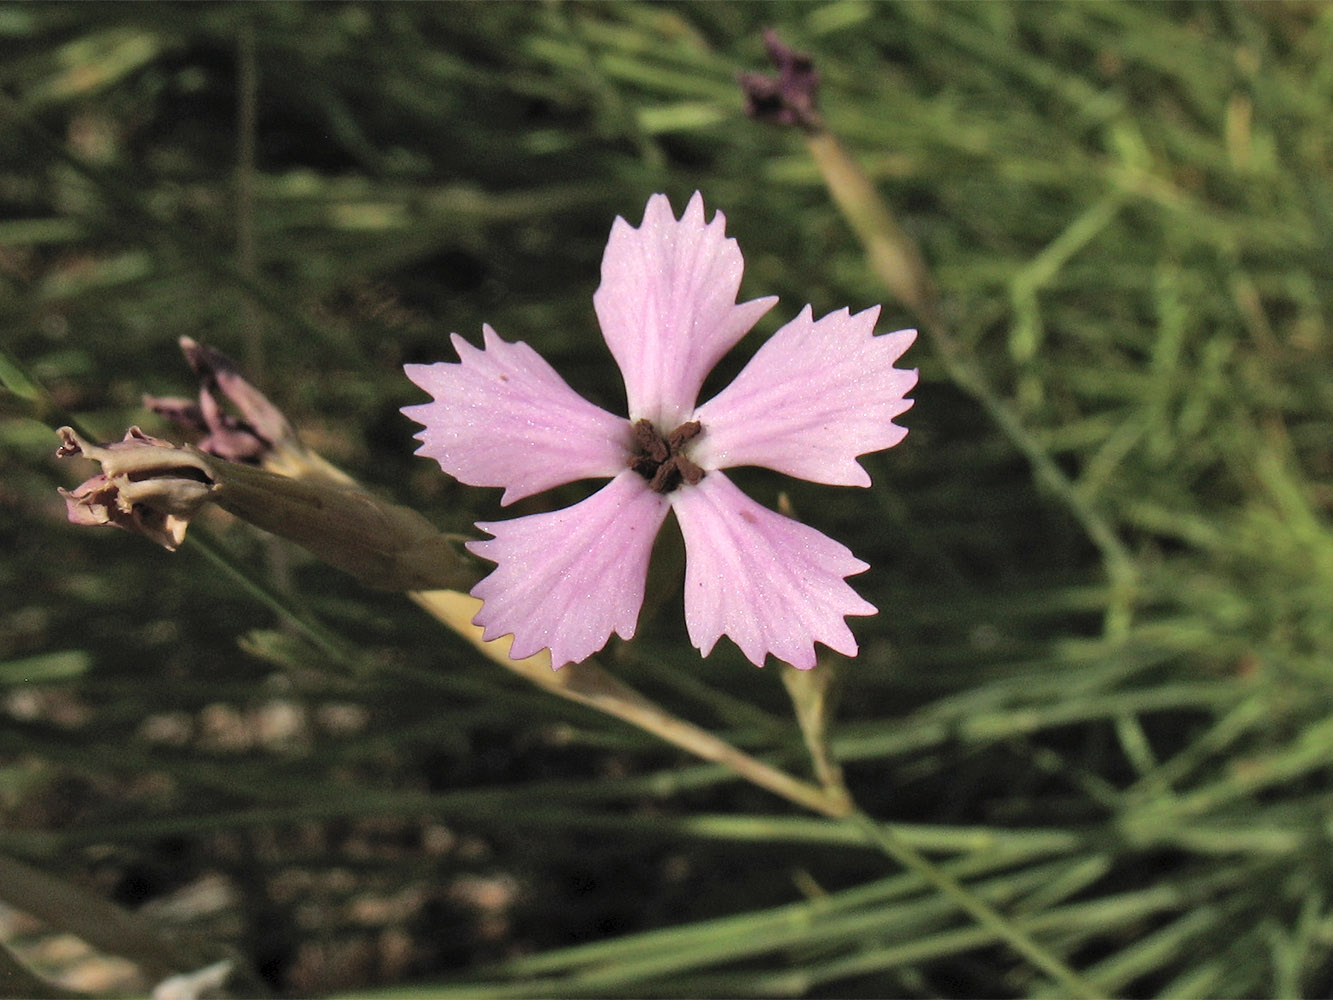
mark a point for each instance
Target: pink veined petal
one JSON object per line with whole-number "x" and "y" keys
{"x": 502, "y": 416}
{"x": 772, "y": 584}
{"x": 667, "y": 306}
{"x": 566, "y": 580}
{"x": 815, "y": 396}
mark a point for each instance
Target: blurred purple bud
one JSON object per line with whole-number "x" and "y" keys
{"x": 788, "y": 98}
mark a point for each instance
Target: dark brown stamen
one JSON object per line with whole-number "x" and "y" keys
{"x": 682, "y": 434}
{"x": 649, "y": 444}
{"x": 661, "y": 460}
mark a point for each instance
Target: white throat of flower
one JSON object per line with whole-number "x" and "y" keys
{"x": 662, "y": 459}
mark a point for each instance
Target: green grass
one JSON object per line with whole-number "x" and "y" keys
{"x": 1099, "y": 692}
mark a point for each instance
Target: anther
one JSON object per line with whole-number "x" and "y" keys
{"x": 661, "y": 460}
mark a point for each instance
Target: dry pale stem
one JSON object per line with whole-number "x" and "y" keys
{"x": 588, "y": 684}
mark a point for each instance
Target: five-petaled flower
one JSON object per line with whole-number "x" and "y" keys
{"x": 816, "y": 395}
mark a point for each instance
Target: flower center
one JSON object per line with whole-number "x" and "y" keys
{"x": 662, "y": 460}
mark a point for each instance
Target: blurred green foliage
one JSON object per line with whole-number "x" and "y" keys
{"x": 1127, "y": 210}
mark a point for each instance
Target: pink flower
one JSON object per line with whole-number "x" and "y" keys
{"x": 814, "y": 397}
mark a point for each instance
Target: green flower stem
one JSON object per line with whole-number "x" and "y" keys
{"x": 983, "y": 913}
{"x": 327, "y": 642}
{"x": 813, "y": 695}
{"x": 589, "y": 684}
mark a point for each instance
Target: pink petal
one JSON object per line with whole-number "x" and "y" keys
{"x": 667, "y": 306}
{"x": 815, "y": 396}
{"x": 502, "y": 416}
{"x": 772, "y": 584}
{"x": 566, "y": 580}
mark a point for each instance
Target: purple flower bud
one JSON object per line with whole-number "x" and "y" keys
{"x": 788, "y": 98}
{"x": 250, "y": 438}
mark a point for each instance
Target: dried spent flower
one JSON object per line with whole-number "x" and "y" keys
{"x": 816, "y": 395}
{"x": 147, "y": 486}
